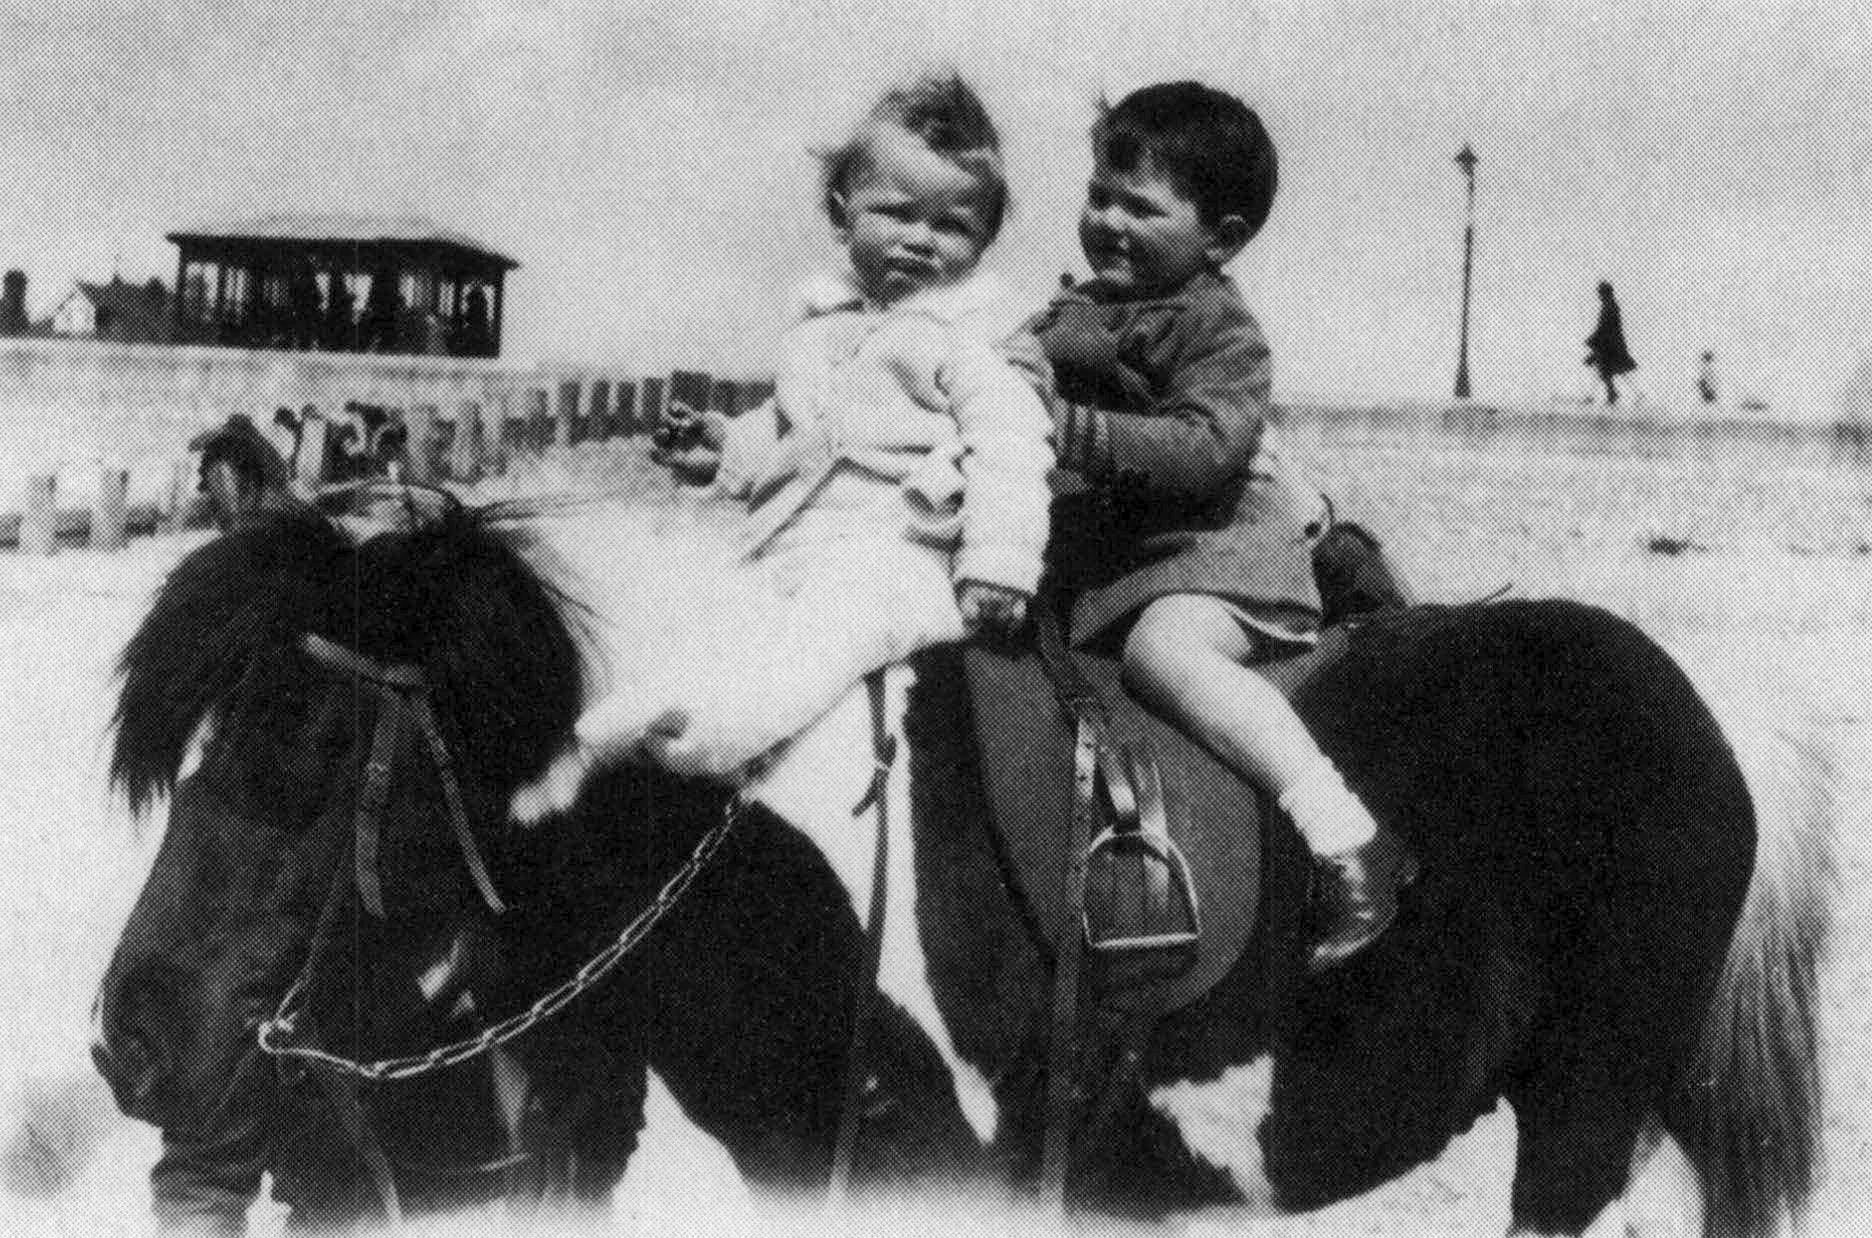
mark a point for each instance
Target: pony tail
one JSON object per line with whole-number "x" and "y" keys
{"x": 1748, "y": 1113}
{"x": 222, "y": 608}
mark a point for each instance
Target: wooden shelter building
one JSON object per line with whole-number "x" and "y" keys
{"x": 342, "y": 283}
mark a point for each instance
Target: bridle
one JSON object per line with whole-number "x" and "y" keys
{"x": 291, "y": 1034}
{"x": 278, "y": 1036}
{"x": 403, "y": 694}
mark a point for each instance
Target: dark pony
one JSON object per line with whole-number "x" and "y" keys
{"x": 751, "y": 973}
{"x": 256, "y": 832}
{"x": 1597, "y": 936}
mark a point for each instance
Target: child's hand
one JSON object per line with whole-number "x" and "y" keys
{"x": 689, "y": 443}
{"x": 1080, "y": 341}
{"x": 990, "y": 608}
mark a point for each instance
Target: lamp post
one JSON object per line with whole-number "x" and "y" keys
{"x": 1467, "y": 161}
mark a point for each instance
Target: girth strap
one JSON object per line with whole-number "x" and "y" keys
{"x": 1140, "y": 823}
{"x": 864, "y": 1001}
{"x": 403, "y": 700}
{"x": 1062, "y": 1035}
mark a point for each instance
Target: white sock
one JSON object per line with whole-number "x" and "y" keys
{"x": 1327, "y": 814}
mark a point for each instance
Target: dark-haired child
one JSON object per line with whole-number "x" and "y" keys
{"x": 1189, "y": 538}
{"x": 896, "y": 484}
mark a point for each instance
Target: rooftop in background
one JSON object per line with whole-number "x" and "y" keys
{"x": 127, "y": 313}
{"x": 410, "y": 230}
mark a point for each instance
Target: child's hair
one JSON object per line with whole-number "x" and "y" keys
{"x": 942, "y": 110}
{"x": 1210, "y": 144}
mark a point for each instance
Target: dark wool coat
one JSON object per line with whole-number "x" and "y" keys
{"x": 1174, "y": 486}
{"x": 1606, "y": 350}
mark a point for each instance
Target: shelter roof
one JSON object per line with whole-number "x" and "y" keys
{"x": 340, "y": 229}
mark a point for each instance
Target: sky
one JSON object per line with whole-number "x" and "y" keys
{"x": 650, "y": 164}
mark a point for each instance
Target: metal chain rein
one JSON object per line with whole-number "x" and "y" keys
{"x": 271, "y": 1033}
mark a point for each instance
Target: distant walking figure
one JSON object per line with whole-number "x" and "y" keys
{"x": 1706, "y": 379}
{"x": 1605, "y": 347}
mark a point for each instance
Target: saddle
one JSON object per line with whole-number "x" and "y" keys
{"x": 1164, "y": 923}
{"x": 1183, "y": 860}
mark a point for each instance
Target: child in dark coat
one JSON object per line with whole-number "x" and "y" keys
{"x": 1184, "y": 533}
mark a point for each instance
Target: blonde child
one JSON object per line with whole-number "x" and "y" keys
{"x": 895, "y": 484}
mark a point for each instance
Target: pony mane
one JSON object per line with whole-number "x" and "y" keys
{"x": 456, "y": 596}
{"x": 221, "y": 610}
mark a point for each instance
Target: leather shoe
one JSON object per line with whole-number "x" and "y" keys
{"x": 1355, "y": 897}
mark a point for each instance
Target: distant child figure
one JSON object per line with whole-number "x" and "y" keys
{"x": 1706, "y": 379}
{"x": 1190, "y": 534}
{"x": 896, "y": 482}
{"x": 1606, "y": 350}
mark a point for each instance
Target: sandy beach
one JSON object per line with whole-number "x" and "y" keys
{"x": 1757, "y": 576}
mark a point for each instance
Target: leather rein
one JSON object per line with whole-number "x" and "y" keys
{"x": 291, "y": 1034}
{"x": 403, "y": 695}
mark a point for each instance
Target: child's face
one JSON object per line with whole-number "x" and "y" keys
{"x": 1142, "y": 236}
{"x": 913, "y": 220}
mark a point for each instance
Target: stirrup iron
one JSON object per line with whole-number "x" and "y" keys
{"x": 1140, "y": 895}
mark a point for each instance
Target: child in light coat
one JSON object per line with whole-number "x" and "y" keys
{"x": 896, "y": 484}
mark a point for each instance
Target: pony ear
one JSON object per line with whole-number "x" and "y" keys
{"x": 235, "y": 600}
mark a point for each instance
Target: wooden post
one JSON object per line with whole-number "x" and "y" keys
{"x": 465, "y": 451}
{"x": 38, "y": 533}
{"x": 419, "y": 421}
{"x": 539, "y": 425}
{"x": 110, "y": 520}
{"x": 626, "y": 408}
{"x": 724, "y": 398}
{"x": 756, "y": 393}
{"x": 598, "y": 411}
{"x": 312, "y": 448}
{"x": 172, "y": 516}
{"x": 503, "y": 430}
{"x": 564, "y": 429}
{"x": 493, "y": 438}
{"x": 690, "y": 388}
{"x": 649, "y": 405}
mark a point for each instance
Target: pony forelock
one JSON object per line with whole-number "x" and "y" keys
{"x": 219, "y": 613}
{"x": 456, "y": 596}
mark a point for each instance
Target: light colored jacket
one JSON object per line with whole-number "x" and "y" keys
{"x": 903, "y": 416}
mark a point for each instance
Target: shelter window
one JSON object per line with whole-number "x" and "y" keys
{"x": 195, "y": 287}
{"x": 234, "y": 292}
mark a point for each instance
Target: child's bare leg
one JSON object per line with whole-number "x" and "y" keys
{"x": 1187, "y": 658}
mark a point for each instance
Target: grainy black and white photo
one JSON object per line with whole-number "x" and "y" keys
{"x": 936, "y": 617}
